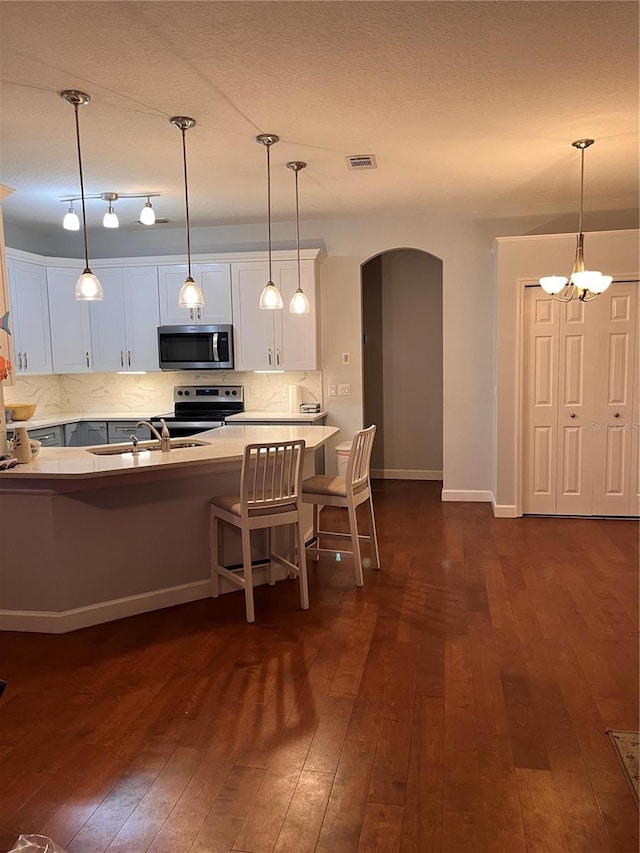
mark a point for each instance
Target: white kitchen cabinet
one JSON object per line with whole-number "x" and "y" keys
{"x": 215, "y": 281}
{"x": 30, "y": 314}
{"x": 70, "y": 322}
{"x": 273, "y": 340}
{"x": 124, "y": 325}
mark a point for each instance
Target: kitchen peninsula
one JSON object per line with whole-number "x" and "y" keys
{"x": 89, "y": 537}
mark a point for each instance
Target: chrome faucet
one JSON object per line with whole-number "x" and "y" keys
{"x": 164, "y": 439}
{"x": 134, "y": 445}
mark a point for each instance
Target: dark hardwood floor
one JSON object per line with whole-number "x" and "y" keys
{"x": 458, "y": 702}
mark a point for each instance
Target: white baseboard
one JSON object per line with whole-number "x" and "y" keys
{"x": 503, "y": 510}
{"x": 47, "y": 622}
{"x": 472, "y": 495}
{"x": 404, "y": 474}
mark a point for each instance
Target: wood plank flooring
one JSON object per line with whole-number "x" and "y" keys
{"x": 458, "y": 702}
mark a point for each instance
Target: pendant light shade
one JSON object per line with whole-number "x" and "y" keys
{"x": 88, "y": 287}
{"x": 190, "y": 295}
{"x": 299, "y": 303}
{"x": 148, "y": 214}
{"x": 586, "y": 284}
{"x": 71, "y": 221}
{"x": 110, "y": 219}
{"x": 270, "y": 298}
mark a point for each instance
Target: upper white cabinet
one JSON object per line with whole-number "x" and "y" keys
{"x": 215, "y": 281}
{"x": 273, "y": 340}
{"x": 70, "y": 322}
{"x": 30, "y": 313}
{"x": 124, "y": 325}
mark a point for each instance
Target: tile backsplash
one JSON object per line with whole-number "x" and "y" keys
{"x": 118, "y": 392}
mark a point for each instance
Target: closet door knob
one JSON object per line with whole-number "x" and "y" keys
{"x": 616, "y": 414}
{"x": 572, "y": 415}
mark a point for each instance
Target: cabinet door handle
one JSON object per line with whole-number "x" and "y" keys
{"x": 19, "y": 361}
{"x": 270, "y": 357}
{"x": 278, "y": 357}
{"x": 199, "y": 312}
{"x": 87, "y": 354}
{"x": 121, "y": 358}
{"x": 26, "y": 364}
{"x": 191, "y": 313}
{"x": 129, "y": 357}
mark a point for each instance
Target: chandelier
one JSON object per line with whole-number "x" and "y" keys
{"x": 586, "y": 284}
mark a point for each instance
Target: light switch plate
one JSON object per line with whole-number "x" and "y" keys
{"x": 346, "y": 358}
{"x": 332, "y": 390}
{"x": 344, "y": 390}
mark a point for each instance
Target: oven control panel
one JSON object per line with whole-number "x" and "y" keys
{"x": 204, "y": 393}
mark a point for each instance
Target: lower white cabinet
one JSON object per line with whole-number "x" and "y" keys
{"x": 70, "y": 322}
{"x": 215, "y": 281}
{"x": 276, "y": 339}
{"x": 29, "y": 302}
{"x": 124, "y": 325}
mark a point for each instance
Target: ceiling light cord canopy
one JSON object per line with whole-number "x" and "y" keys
{"x": 270, "y": 298}
{"x": 88, "y": 287}
{"x": 299, "y": 303}
{"x": 586, "y": 284}
{"x": 190, "y": 295}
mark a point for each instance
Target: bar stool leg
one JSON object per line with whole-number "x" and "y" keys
{"x": 355, "y": 545}
{"x": 302, "y": 568}
{"x": 375, "y": 554}
{"x": 214, "y": 555}
{"x": 248, "y": 575}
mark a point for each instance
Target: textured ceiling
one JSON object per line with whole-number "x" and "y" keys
{"x": 469, "y": 107}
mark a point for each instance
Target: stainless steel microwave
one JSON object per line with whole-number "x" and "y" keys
{"x": 195, "y": 347}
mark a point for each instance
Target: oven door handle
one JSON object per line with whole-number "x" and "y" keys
{"x": 216, "y": 357}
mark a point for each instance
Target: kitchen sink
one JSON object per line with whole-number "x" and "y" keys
{"x": 146, "y": 447}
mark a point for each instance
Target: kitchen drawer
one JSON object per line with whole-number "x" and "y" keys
{"x": 85, "y": 433}
{"x": 48, "y": 436}
{"x": 120, "y": 431}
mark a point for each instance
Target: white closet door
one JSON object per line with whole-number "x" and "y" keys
{"x": 635, "y": 423}
{"x": 541, "y": 322}
{"x": 613, "y": 417}
{"x": 578, "y": 359}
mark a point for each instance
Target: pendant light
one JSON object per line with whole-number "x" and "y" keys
{"x": 71, "y": 221}
{"x": 299, "y": 303}
{"x": 586, "y": 284}
{"x": 88, "y": 287}
{"x": 190, "y": 295}
{"x": 270, "y": 297}
{"x": 148, "y": 214}
{"x": 110, "y": 219}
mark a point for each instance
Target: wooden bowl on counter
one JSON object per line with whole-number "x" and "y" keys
{"x": 21, "y": 411}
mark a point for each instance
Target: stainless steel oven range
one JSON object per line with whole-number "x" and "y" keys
{"x": 201, "y": 407}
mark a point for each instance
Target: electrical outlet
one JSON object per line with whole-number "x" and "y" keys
{"x": 346, "y": 358}
{"x": 253, "y": 392}
{"x": 332, "y": 390}
{"x": 344, "y": 390}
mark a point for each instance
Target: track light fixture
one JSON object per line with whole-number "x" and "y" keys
{"x": 110, "y": 219}
{"x": 88, "y": 287}
{"x": 586, "y": 284}
{"x": 190, "y": 295}
{"x": 299, "y": 303}
{"x": 270, "y": 298}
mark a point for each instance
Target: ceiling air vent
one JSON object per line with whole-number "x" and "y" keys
{"x": 361, "y": 161}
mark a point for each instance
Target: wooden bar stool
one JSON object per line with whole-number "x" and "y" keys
{"x": 349, "y": 491}
{"x": 270, "y": 496}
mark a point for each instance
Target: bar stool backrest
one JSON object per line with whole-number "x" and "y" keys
{"x": 271, "y": 476}
{"x": 357, "y": 473}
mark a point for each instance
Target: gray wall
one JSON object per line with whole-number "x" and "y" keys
{"x": 402, "y": 317}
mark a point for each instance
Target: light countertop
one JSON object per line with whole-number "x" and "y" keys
{"x": 225, "y": 444}
{"x": 60, "y": 418}
{"x": 275, "y": 417}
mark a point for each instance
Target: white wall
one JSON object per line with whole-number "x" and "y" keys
{"x": 522, "y": 260}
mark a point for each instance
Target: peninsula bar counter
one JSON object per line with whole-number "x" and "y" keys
{"x": 87, "y": 538}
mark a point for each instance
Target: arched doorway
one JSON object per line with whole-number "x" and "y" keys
{"x": 402, "y": 362}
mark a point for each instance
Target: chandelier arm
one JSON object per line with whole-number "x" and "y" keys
{"x": 564, "y": 299}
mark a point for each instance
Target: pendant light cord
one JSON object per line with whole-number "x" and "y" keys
{"x": 186, "y": 197}
{"x": 84, "y": 215}
{"x": 268, "y": 147}
{"x": 297, "y": 230}
{"x": 581, "y": 188}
